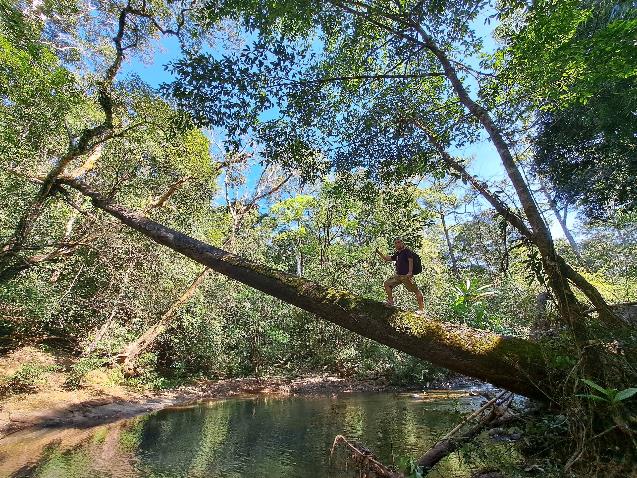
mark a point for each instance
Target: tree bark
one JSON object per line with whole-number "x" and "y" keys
{"x": 128, "y": 356}
{"x": 508, "y": 362}
{"x": 172, "y": 189}
{"x": 562, "y": 222}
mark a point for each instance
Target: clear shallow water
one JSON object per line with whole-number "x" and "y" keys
{"x": 262, "y": 437}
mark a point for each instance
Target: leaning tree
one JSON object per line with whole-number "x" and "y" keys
{"x": 393, "y": 88}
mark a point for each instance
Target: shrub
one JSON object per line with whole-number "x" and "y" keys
{"x": 80, "y": 368}
{"x": 26, "y": 379}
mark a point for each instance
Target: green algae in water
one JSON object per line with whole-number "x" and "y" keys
{"x": 262, "y": 437}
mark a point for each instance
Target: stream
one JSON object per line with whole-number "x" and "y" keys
{"x": 244, "y": 437}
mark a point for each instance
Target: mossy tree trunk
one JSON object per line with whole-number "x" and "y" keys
{"x": 508, "y": 362}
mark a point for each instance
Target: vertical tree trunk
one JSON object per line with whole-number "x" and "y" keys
{"x": 452, "y": 256}
{"x": 504, "y": 264}
{"x": 299, "y": 264}
{"x": 562, "y": 222}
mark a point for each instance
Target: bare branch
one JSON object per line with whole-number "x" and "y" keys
{"x": 172, "y": 189}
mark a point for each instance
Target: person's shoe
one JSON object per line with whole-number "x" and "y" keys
{"x": 420, "y": 312}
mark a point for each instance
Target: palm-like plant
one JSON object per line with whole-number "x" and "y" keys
{"x": 470, "y": 297}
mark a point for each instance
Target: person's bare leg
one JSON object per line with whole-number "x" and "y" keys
{"x": 411, "y": 286}
{"x": 388, "y": 291}
{"x": 421, "y": 301}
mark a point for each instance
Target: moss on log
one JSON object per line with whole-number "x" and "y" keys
{"x": 508, "y": 362}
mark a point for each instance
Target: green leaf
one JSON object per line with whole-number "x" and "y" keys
{"x": 624, "y": 394}
{"x": 593, "y": 385}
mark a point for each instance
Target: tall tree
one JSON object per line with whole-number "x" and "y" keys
{"x": 387, "y": 91}
{"x": 105, "y": 117}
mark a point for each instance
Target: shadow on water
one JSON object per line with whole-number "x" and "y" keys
{"x": 270, "y": 437}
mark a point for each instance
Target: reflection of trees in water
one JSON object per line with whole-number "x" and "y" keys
{"x": 284, "y": 437}
{"x": 214, "y": 432}
{"x": 72, "y": 453}
{"x": 24, "y": 453}
{"x": 262, "y": 437}
{"x": 130, "y": 436}
{"x": 115, "y": 454}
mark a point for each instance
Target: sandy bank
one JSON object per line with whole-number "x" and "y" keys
{"x": 100, "y": 400}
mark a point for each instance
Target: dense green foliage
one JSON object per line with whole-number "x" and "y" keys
{"x": 330, "y": 134}
{"x": 574, "y": 63}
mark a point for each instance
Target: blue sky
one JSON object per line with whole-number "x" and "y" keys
{"x": 152, "y": 70}
{"x": 486, "y": 164}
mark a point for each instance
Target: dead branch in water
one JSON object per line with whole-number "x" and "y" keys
{"x": 493, "y": 412}
{"x": 365, "y": 460}
{"x": 452, "y": 440}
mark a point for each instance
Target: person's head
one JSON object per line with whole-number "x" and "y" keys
{"x": 399, "y": 244}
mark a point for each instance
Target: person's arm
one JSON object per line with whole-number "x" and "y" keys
{"x": 410, "y": 261}
{"x": 385, "y": 257}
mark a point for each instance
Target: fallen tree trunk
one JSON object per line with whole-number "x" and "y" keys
{"x": 445, "y": 447}
{"x": 452, "y": 441}
{"x": 508, "y": 362}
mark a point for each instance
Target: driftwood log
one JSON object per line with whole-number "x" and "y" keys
{"x": 487, "y": 414}
{"x": 365, "y": 460}
{"x": 493, "y": 413}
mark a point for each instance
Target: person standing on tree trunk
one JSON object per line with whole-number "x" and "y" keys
{"x": 407, "y": 264}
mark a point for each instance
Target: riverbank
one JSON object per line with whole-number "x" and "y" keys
{"x": 101, "y": 400}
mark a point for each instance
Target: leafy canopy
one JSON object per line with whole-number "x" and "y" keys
{"x": 322, "y": 88}
{"x": 575, "y": 63}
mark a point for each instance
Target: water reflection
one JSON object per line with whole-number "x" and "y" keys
{"x": 266, "y": 437}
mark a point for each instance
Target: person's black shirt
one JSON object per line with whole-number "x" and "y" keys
{"x": 402, "y": 261}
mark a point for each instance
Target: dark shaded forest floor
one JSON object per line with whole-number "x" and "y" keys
{"x": 49, "y": 402}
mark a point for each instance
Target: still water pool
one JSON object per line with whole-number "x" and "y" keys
{"x": 254, "y": 437}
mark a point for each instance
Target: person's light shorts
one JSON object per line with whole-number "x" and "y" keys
{"x": 407, "y": 281}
